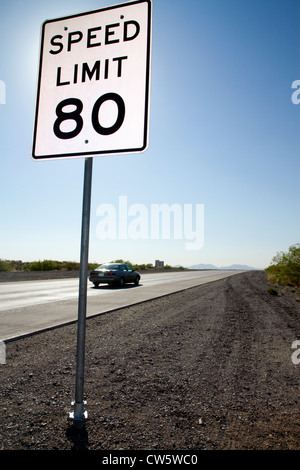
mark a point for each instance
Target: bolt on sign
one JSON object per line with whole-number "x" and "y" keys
{"x": 93, "y": 83}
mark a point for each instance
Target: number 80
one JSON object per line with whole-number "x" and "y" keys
{"x": 76, "y": 116}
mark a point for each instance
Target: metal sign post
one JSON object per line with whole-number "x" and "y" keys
{"x": 80, "y": 414}
{"x": 93, "y": 95}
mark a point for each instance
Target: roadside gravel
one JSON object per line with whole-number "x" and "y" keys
{"x": 208, "y": 368}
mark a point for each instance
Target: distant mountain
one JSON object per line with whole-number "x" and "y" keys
{"x": 240, "y": 267}
{"x": 203, "y": 266}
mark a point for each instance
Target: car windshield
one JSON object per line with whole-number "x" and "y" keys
{"x": 108, "y": 267}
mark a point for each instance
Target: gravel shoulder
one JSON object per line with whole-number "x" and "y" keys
{"x": 208, "y": 368}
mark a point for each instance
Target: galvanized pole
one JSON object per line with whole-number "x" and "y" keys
{"x": 80, "y": 414}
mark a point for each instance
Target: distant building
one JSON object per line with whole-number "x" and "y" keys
{"x": 159, "y": 264}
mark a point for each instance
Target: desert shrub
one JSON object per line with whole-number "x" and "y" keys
{"x": 69, "y": 265}
{"x": 46, "y": 265}
{"x": 93, "y": 265}
{"x": 285, "y": 267}
{"x": 272, "y": 291}
{"x": 4, "y": 266}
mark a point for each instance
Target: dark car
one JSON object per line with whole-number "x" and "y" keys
{"x": 114, "y": 273}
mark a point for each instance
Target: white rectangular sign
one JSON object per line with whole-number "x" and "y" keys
{"x": 93, "y": 83}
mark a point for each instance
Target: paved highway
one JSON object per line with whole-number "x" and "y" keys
{"x": 27, "y": 307}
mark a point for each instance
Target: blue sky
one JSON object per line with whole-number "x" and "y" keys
{"x": 224, "y": 133}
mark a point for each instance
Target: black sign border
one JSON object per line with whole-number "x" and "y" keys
{"x": 147, "y": 87}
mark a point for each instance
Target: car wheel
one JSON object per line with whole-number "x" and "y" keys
{"x": 137, "y": 280}
{"x": 96, "y": 284}
{"x": 121, "y": 282}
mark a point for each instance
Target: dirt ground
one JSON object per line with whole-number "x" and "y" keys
{"x": 208, "y": 368}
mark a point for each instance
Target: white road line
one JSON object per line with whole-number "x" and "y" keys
{"x": 27, "y": 307}
{"x": 24, "y": 294}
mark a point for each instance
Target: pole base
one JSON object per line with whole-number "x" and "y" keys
{"x": 79, "y": 414}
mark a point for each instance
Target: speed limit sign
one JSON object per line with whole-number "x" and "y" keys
{"x": 93, "y": 83}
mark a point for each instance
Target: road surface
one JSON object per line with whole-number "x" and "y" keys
{"x": 31, "y": 306}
